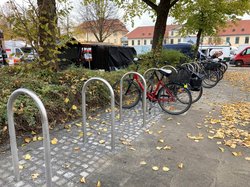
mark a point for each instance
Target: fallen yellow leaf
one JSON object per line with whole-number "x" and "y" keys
{"x": 74, "y": 107}
{"x": 237, "y": 153}
{"x": 98, "y": 184}
{"x": 54, "y": 141}
{"x": 180, "y": 165}
{"x": 161, "y": 140}
{"x": 222, "y": 149}
{"x": 66, "y": 100}
{"x": 33, "y": 132}
{"x": 102, "y": 141}
{"x": 155, "y": 168}
{"x": 78, "y": 124}
{"x": 40, "y": 138}
{"x": 247, "y": 158}
{"x": 131, "y": 148}
{"x": 27, "y": 140}
{"x": 82, "y": 180}
{"x": 143, "y": 163}
{"x": 158, "y": 148}
{"x": 34, "y": 176}
{"x": 21, "y": 166}
{"x": 27, "y": 157}
{"x": 165, "y": 168}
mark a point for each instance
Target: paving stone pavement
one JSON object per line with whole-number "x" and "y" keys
{"x": 72, "y": 159}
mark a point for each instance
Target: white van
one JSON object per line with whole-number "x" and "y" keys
{"x": 19, "y": 51}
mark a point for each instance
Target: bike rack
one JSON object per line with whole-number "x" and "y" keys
{"x": 112, "y": 108}
{"x": 144, "y": 74}
{"x": 188, "y": 65}
{"x": 12, "y": 133}
{"x": 143, "y": 97}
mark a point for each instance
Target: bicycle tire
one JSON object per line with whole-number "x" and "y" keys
{"x": 210, "y": 79}
{"x": 196, "y": 95}
{"x": 131, "y": 93}
{"x": 182, "y": 98}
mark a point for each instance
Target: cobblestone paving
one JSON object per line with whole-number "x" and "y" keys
{"x": 71, "y": 158}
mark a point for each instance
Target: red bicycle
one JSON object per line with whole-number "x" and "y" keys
{"x": 173, "y": 98}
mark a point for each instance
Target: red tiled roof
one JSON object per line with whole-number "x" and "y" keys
{"x": 147, "y": 32}
{"x": 241, "y": 27}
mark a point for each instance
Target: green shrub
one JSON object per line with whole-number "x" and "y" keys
{"x": 59, "y": 92}
{"x": 171, "y": 57}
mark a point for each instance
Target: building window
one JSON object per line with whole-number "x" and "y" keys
{"x": 237, "y": 39}
{"x": 151, "y": 42}
{"x": 246, "y": 40}
{"x": 115, "y": 34}
{"x": 138, "y": 42}
{"x": 133, "y": 42}
{"x": 228, "y": 39}
{"x": 233, "y": 30}
{"x": 115, "y": 41}
{"x": 242, "y": 29}
{"x": 145, "y": 42}
{"x": 172, "y": 33}
{"x": 179, "y": 40}
{"x": 143, "y": 34}
{"x": 172, "y": 41}
{"x": 149, "y": 34}
{"x": 165, "y": 41}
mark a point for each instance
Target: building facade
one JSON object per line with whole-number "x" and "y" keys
{"x": 234, "y": 34}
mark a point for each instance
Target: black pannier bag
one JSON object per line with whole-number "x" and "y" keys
{"x": 212, "y": 66}
{"x": 182, "y": 77}
{"x": 195, "y": 82}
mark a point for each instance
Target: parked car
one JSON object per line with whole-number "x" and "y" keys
{"x": 242, "y": 58}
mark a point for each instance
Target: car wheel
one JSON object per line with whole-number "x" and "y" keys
{"x": 238, "y": 63}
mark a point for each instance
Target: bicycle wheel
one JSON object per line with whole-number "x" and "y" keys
{"x": 210, "y": 79}
{"x": 196, "y": 95}
{"x": 174, "y": 99}
{"x": 131, "y": 93}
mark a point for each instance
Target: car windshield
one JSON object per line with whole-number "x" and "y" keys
{"x": 27, "y": 49}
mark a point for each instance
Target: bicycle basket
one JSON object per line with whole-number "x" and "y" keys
{"x": 212, "y": 66}
{"x": 195, "y": 82}
{"x": 183, "y": 76}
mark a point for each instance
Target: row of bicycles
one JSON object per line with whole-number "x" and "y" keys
{"x": 175, "y": 89}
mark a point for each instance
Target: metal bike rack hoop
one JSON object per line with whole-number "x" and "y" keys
{"x": 84, "y": 88}
{"x": 12, "y": 133}
{"x": 144, "y": 107}
{"x": 144, "y": 74}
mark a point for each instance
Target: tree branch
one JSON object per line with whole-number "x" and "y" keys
{"x": 173, "y": 3}
{"x": 151, "y": 4}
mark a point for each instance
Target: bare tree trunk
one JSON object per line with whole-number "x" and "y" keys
{"x": 47, "y": 33}
{"x": 197, "y": 42}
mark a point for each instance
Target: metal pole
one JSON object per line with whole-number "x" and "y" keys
{"x": 84, "y": 88}
{"x": 144, "y": 96}
{"x": 45, "y": 127}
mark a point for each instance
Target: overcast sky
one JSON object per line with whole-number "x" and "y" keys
{"x": 142, "y": 21}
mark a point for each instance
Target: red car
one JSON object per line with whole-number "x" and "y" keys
{"x": 242, "y": 58}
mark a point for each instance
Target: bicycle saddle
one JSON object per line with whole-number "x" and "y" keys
{"x": 165, "y": 72}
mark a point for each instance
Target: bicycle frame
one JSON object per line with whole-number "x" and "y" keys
{"x": 152, "y": 96}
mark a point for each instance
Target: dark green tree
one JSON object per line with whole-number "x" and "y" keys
{"x": 202, "y": 17}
